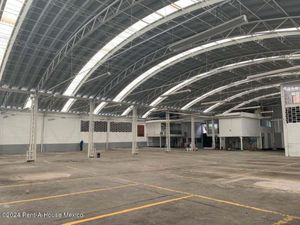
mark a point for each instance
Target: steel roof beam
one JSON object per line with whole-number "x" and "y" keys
{"x": 93, "y": 24}
{"x": 207, "y": 34}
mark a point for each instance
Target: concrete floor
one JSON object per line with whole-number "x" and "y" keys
{"x": 152, "y": 188}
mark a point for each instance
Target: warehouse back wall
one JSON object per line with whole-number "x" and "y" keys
{"x": 60, "y": 132}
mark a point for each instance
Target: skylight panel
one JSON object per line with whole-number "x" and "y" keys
{"x": 8, "y": 20}
{"x": 138, "y": 26}
{"x": 11, "y": 11}
{"x": 130, "y": 33}
{"x": 127, "y": 111}
{"x": 148, "y": 113}
{"x": 100, "y": 107}
{"x": 68, "y": 105}
{"x": 197, "y": 50}
{"x": 152, "y": 18}
{"x": 185, "y": 3}
{"x": 126, "y": 33}
{"x": 28, "y": 103}
{"x": 5, "y": 32}
{"x": 167, "y": 10}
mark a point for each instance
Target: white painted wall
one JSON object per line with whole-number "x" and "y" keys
{"x": 239, "y": 125}
{"x": 14, "y": 128}
{"x": 230, "y": 127}
{"x": 293, "y": 139}
{"x": 58, "y": 129}
{"x": 250, "y": 127}
{"x": 292, "y": 129}
{"x": 153, "y": 129}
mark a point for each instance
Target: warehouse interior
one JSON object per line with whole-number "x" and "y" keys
{"x": 150, "y": 112}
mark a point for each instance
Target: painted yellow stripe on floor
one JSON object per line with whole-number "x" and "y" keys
{"x": 284, "y": 220}
{"x": 216, "y": 200}
{"x": 127, "y": 210}
{"x": 66, "y": 195}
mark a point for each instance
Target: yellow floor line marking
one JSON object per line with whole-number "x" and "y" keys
{"x": 66, "y": 195}
{"x": 215, "y": 199}
{"x": 219, "y": 200}
{"x": 127, "y": 210}
{"x": 284, "y": 220}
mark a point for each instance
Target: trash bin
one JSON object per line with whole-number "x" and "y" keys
{"x": 98, "y": 154}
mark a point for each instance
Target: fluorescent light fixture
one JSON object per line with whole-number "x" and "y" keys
{"x": 210, "y": 103}
{"x": 239, "y": 95}
{"x": 267, "y": 73}
{"x": 125, "y": 37}
{"x": 238, "y": 107}
{"x": 267, "y": 112}
{"x": 237, "y": 83}
{"x": 202, "y": 49}
{"x": 219, "y": 70}
{"x": 259, "y": 78}
{"x": 250, "y": 107}
{"x": 177, "y": 92}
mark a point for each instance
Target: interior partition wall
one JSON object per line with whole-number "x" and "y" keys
{"x": 290, "y": 102}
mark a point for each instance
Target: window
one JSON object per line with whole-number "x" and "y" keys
{"x": 292, "y": 114}
{"x": 100, "y": 126}
{"x": 265, "y": 123}
{"x": 84, "y": 127}
{"x": 140, "y": 131}
{"x": 120, "y": 127}
{"x": 175, "y": 128}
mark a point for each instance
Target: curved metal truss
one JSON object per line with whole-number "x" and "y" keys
{"x": 112, "y": 10}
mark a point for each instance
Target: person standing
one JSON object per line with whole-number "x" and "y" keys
{"x": 81, "y": 145}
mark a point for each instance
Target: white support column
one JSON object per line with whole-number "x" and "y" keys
{"x": 259, "y": 142}
{"x": 107, "y": 135}
{"x": 193, "y": 146}
{"x": 160, "y": 139}
{"x": 91, "y": 148}
{"x": 222, "y": 143}
{"x": 43, "y": 132}
{"x": 284, "y": 124}
{"x": 31, "y": 153}
{"x": 134, "y": 150}
{"x": 213, "y": 143}
{"x": 168, "y": 133}
{"x": 242, "y": 145}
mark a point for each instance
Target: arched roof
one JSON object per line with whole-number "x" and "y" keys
{"x": 121, "y": 52}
